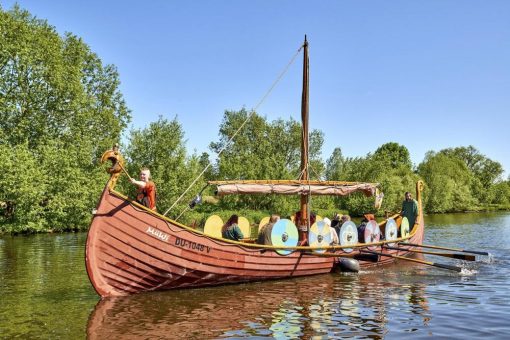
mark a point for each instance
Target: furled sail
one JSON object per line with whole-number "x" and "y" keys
{"x": 331, "y": 188}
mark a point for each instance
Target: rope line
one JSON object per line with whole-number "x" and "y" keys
{"x": 239, "y": 129}
{"x": 313, "y": 170}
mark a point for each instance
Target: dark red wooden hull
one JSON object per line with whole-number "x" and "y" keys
{"x": 131, "y": 249}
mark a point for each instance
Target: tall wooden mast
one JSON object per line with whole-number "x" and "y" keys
{"x": 303, "y": 225}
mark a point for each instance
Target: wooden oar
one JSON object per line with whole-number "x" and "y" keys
{"x": 455, "y": 256}
{"x": 439, "y": 265}
{"x": 359, "y": 257}
{"x": 445, "y": 248}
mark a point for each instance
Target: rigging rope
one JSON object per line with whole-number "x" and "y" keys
{"x": 239, "y": 129}
{"x": 314, "y": 172}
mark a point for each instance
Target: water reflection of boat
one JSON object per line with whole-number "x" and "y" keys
{"x": 132, "y": 249}
{"x": 324, "y": 305}
{"x": 277, "y": 308}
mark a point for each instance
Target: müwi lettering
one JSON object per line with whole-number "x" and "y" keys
{"x": 191, "y": 245}
{"x": 159, "y": 234}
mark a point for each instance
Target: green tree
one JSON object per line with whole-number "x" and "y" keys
{"x": 60, "y": 108}
{"x": 22, "y": 189}
{"x": 55, "y": 87}
{"x": 486, "y": 171}
{"x": 448, "y": 182}
{"x": 335, "y": 165}
{"x": 390, "y": 166}
{"x": 501, "y": 193}
{"x": 263, "y": 150}
{"x": 393, "y": 155}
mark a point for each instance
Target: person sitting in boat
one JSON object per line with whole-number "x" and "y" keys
{"x": 338, "y": 221}
{"x": 332, "y": 231}
{"x": 302, "y": 226}
{"x": 363, "y": 225}
{"x": 344, "y": 218}
{"x": 146, "y": 192}
{"x": 409, "y": 209}
{"x": 231, "y": 230}
{"x": 265, "y": 232}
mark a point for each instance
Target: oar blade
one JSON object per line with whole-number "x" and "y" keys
{"x": 477, "y": 252}
{"x": 360, "y": 257}
{"x": 464, "y": 257}
{"x": 366, "y": 257}
{"x": 447, "y": 266}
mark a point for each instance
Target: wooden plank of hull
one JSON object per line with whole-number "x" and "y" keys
{"x": 130, "y": 250}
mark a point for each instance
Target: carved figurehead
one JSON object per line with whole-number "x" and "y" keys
{"x": 117, "y": 164}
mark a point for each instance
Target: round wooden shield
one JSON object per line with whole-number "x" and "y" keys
{"x": 263, "y": 222}
{"x": 213, "y": 226}
{"x": 348, "y": 235}
{"x": 319, "y": 236}
{"x": 404, "y": 227}
{"x": 244, "y": 224}
{"x": 391, "y": 231}
{"x": 284, "y": 233}
{"x": 372, "y": 233}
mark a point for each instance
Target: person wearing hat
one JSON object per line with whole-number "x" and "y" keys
{"x": 363, "y": 225}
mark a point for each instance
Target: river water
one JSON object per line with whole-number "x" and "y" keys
{"x": 45, "y": 293}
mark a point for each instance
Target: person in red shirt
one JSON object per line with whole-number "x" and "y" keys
{"x": 146, "y": 194}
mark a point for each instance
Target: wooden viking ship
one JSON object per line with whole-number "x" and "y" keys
{"x": 132, "y": 249}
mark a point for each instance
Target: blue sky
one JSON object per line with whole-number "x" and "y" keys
{"x": 426, "y": 74}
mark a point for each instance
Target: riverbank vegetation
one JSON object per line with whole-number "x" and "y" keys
{"x": 61, "y": 107}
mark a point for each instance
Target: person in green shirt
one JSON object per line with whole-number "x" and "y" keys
{"x": 409, "y": 209}
{"x": 231, "y": 230}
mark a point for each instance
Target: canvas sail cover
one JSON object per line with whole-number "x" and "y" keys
{"x": 295, "y": 188}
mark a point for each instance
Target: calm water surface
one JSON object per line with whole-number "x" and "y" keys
{"x": 45, "y": 293}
